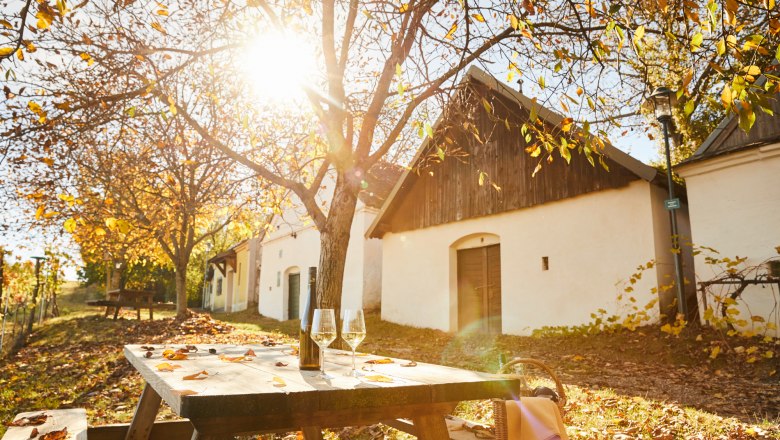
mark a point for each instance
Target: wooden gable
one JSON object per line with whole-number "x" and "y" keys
{"x": 728, "y": 137}
{"x": 439, "y": 191}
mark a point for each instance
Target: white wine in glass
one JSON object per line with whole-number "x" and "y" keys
{"x": 323, "y": 332}
{"x": 353, "y": 331}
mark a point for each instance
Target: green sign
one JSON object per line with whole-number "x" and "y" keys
{"x": 672, "y": 203}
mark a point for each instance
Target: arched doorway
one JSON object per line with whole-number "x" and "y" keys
{"x": 478, "y": 263}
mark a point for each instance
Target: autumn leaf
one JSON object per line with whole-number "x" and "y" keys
{"x": 403, "y": 8}
{"x": 409, "y": 364}
{"x": 200, "y": 375}
{"x": 566, "y": 124}
{"x": 715, "y": 351}
{"x": 231, "y": 358}
{"x": 696, "y": 42}
{"x": 5, "y": 51}
{"x": 451, "y": 32}
{"x": 279, "y": 382}
{"x": 38, "y": 419}
{"x": 44, "y": 19}
{"x": 380, "y": 361}
{"x": 378, "y": 378}
{"x": 69, "y": 225}
{"x": 250, "y": 352}
{"x": 62, "y": 434}
{"x": 166, "y": 367}
{"x": 478, "y": 17}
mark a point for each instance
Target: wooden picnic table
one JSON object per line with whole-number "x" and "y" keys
{"x": 268, "y": 393}
{"x": 137, "y": 299}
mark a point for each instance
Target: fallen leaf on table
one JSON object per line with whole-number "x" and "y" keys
{"x": 147, "y": 348}
{"x": 200, "y": 375}
{"x": 378, "y": 378}
{"x": 185, "y": 392}
{"x": 250, "y": 352}
{"x": 148, "y": 354}
{"x": 212, "y": 351}
{"x": 62, "y": 434}
{"x": 409, "y": 364}
{"x": 380, "y": 361}
{"x": 34, "y": 433}
{"x": 38, "y": 419}
{"x": 176, "y": 356}
{"x": 192, "y": 348}
{"x": 280, "y": 364}
{"x": 279, "y": 382}
{"x": 231, "y": 358}
{"x": 165, "y": 366}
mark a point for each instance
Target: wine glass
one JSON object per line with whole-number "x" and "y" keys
{"x": 353, "y": 331}
{"x": 323, "y": 332}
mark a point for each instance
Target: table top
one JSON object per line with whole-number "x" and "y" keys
{"x": 237, "y": 384}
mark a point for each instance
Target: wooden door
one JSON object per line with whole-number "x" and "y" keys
{"x": 294, "y": 295}
{"x": 479, "y": 289}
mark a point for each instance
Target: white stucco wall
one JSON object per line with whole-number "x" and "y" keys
{"x": 362, "y": 272}
{"x": 735, "y": 209}
{"x": 241, "y": 278}
{"x": 592, "y": 241}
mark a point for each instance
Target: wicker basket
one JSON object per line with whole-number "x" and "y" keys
{"x": 499, "y": 407}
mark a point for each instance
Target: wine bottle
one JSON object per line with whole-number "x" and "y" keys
{"x": 309, "y": 352}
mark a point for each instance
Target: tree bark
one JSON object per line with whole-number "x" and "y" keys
{"x": 334, "y": 241}
{"x": 181, "y": 290}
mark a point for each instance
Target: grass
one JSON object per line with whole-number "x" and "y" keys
{"x": 642, "y": 384}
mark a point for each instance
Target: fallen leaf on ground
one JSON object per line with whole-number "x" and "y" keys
{"x": 409, "y": 364}
{"x": 34, "y": 433}
{"x": 200, "y": 375}
{"x": 62, "y": 434}
{"x": 279, "y": 382}
{"x": 165, "y": 366}
{"x": 38, "y": 419}
{"x": 378, "y": 378}
{"x": 231, "y": 358}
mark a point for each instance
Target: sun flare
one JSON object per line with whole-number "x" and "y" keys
{"x": 278, "y": 66}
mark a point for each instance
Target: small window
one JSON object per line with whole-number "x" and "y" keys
{"x": 545, "y": 263}
{"x": 278, "y": 279}
{"x": 219, "y": 287}
{"x": 280, "y": 253}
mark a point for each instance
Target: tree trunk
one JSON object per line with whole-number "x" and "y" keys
{"x": 334, "y": 241}
{"x": 181, "y": 290}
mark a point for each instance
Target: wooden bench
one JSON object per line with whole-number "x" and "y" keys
{"x": 74, "y": 420}
{"x": 137, "y": 299}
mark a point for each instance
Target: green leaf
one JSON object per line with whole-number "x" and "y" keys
{"x": 541, "y": 81}
{"x": 746, "y": 119}
{"x": 696, "y": 42}
{"x": 777, "y": 54}
{"x": 565, "y": 153}
{"x": 486, "y": 104}
{"x": 440, "y": 153}
{"x": 429, "y": 130}
{"x": 131, "y": 112}
{"x": 689, "y": 107}
{"x": 721, "y": 46}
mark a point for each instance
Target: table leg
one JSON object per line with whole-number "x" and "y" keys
{"x": 312, "y": 432}
{"x": 431, "y": 427}
{"x": 145, "y": 413}
{"x": 116, "y": 312}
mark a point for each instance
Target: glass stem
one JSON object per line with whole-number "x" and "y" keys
{"x": 322, "y": 360}
{"x": 353, "y": 361}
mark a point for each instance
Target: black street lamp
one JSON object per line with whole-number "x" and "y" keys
{"x": 661, "y": 102}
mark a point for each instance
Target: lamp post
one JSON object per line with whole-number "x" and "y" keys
{"x": 661, "y": 102}
{"x": 38, "y": 261}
